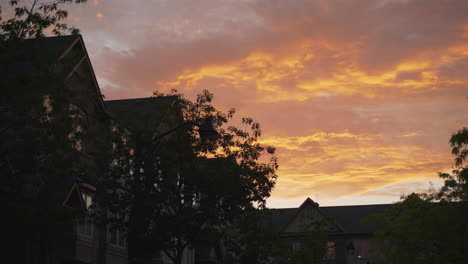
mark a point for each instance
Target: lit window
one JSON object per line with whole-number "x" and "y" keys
{"x": 330, "y": 254}
{"x": 85, "y": 225}
{"x": 87, "y": 199}
{"x": 362, "y": 248}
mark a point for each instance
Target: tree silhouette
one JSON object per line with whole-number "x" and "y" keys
{"x": 429, "y": 227}
{"x": 183, "y": 190}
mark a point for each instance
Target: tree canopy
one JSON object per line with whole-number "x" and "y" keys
{"x": 39, "y": 130}
{"x": 36, "y": 19}
{"x": 183, "y": 190}
{"x": 430, "y": 227}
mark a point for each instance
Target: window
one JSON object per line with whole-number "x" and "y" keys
{"x": 296, "y": 246}
{"x": 87, "y": 199}
{"x": 362, "y": 248}
{"x": 85, "y": 225}
{"x": 116, "y": 237}
{"x": 330, "y": 254}
{"x": 115, "y": 234}
{"x": 189, "y": 255}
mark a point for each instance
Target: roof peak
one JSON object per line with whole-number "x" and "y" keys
{"x": 309, "y": 200}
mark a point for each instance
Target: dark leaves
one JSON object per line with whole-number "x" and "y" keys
{"x": 33, "y": 18}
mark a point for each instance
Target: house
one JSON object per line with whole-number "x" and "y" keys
{"x": 348, "y": 235}
{"x": 63, "y": 63}
{"x": 67, "y": 62}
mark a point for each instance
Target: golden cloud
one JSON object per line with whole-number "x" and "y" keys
{"x": 344, "y": 164}
{"x": 99, "y": 15}
{"x": 297, "y": 76}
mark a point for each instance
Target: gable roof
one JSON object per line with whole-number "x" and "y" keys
{"x": 47, "y": 48}
{"x": 350, "y": 217}
{"x": 281, "y": 217}
{"x": 24, "y": 57}
{"x": 74, "y": 198}
{"x": 141, "y": 114}
{"x": 347, "y": 218}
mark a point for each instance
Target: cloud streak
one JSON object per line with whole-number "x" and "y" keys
{"x": 356, "y": 95}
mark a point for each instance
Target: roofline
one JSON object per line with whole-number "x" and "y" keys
{"x": 79, "y": 39}
{"x": 308, "y": 201}
{"x": 357, "y": 205}
{"x": 135, "y": 99}
{"x": 140, "y": 98}
{"x": 286, "y": 208}
{"x": 317, "y": 207}
{"x": 98, "y": 89}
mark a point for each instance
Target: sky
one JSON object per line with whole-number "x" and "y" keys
{"x": 359, "y": 97}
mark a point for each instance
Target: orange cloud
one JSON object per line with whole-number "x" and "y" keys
{"x": 99, "y": 15}
{"x": 265, "y": 70}
{"x": 344, "y": 164}
{"x": 356, "y": 95}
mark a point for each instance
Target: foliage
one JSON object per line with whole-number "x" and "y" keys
{"x": 182, "y": 190}
{"x": 33, "y": 19}
{"x": 257, "y": 240}
{"x": 419, "y": 231}
{"x": 38, "y": 150}
{"x": 429, "y": 227}
{"x": 39, "y": 133}
{"x": 456, "y": 184}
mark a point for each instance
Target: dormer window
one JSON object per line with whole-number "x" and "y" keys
{"x": 87, "y": 200}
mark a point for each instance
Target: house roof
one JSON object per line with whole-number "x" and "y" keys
{"x": 350, "y": 217}
{"x": 24, "y": 58}
{"x": 141, "y": 114}
{"x": 25, "y": 55}
{"x": 48, "y": 48}
{"x": 281, "y": 217}
{"x": 347, "y": 218}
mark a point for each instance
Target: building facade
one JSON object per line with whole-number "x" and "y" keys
{"x": 348, "y": 234}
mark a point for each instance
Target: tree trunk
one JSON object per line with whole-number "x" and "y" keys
{"x": 101, "y": 232}
{"x": 135, "y": 217}
{"x": 135, "y": 252}
{"x": 178, "y": 258}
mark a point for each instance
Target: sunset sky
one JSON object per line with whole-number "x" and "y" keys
{"x": 359, "y": 97}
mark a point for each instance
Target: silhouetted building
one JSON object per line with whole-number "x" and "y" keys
{"x": 85, "y": 241}
{"x": 348, "y": 236}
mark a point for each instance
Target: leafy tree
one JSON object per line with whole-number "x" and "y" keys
{"x": 456, "y": 184}
{"x": 430, "y": 227}
{"x": 182, "y": 190}
{"x": 257, "y": 240}
{"x": 39, "y": 132}
{"x": 33, "y": 19}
